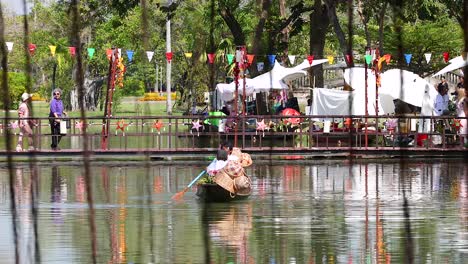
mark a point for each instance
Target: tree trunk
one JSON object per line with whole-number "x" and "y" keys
{"x": 319, "y": 23}
{"x": 92, "y": 94}
{"x": 331, "y": 6}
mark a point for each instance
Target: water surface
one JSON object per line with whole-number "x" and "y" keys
{"x": 331, "y": 211}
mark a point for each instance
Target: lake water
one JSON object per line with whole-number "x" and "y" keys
{"x": 325, "y": 211}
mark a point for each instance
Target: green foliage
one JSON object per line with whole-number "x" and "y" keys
{"x": 133, "y": 87}
{"x": 17, "y": 86}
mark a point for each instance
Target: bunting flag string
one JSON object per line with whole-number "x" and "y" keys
{"x": 72, "y": 51}
{"x": 446, "y": 56}
{"x": 149, "y": 55}
{"x": 130, "y": 55}
{"x": 408, "y": 58}
{"x": 52, "y": 50}
{"x": 9, "y": 46}
{"x": 241, "y": 56}
{"x": 428, "y": 57}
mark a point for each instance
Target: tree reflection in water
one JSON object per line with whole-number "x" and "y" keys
{"x": 300, "y": 211}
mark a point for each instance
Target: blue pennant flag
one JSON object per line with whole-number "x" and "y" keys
{"x": 408, "y": 58}
{"x": 130, "y": 55}
{"x": 271, "y": 59}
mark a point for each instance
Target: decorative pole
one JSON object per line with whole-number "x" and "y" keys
{"x": 366, "y": 99}
{"x": 168, "y": 60}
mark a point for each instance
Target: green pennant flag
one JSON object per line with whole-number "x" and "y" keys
{"x": 230, "y": 58}
{"x": 368, "y": 59}
{"x": 91, "y": 53}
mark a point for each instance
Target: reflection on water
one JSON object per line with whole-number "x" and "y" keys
{"x": 300, "y": 212}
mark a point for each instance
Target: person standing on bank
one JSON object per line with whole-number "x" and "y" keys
{"x": 55, "y": 115}
{"x": 25, "y": 124}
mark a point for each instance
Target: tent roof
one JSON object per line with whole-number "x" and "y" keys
{"x": 277, "y": 77}
{"x": 455, "y": 64}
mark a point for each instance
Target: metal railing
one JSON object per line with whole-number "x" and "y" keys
{"x": 272, "y": 132}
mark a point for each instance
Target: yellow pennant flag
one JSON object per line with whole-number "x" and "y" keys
{"x": 188, "y": 54}
{"x": 330, "y": 59}
{"x": 52, "y": 50}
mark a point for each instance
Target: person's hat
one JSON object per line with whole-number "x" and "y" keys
{"x": 26, "y": 96}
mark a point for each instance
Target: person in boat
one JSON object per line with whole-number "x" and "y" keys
{"x": 232, "y": 176}
{"x": 218, "y": 163}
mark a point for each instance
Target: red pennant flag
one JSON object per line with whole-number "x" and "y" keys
{"x": 32, "y": 48}
{"x": 211, "y": 58}
{"x": 310, "y": 58}
{"x": 169, "y": 56}
{"x": 388, "y": 57}
{"x": 250, "y": 58}
{"x": 109, "y": 53}
{"x": 349, "y": 59}
{"x": 446, "y": 57}
{"x": 72, "y": 51}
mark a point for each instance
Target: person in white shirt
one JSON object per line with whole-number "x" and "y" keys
{"x": 441, "y": 101}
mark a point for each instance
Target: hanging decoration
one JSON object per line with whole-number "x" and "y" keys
{"x": 9, "y": 46}
{"x": 120, "y": 73}
{"x": 109, "y": 53}
{"x": 80, "y": 125}
{"x": 250, "y": 58}
{"x": 72, "y": 51}
{"x": 428, "y": 57}
{"x": 310, "y": 58}
{"x": 387, "y": 57}
{"x": 368, "y": 58}
{"x": 196, "y": 125}
{"x": 32, "y": 48}
{"x": 188, "y": 55}
{"x": 292, "y": 59}
{"x": 408, "y": 58}
{"x": 271, "y": 59}
{"x": 52, "y": 50}
{"x": 260, "y": 66}
{"x": 446, "y": 57}
{"x": 456, "y": 124}
{"x": 211, "y": 58}
{"x": 14, "y": 126}
{"x": 91, "y": 53}
{"x": 380, "y": 61}
{"x": 169, "y": 56}
{"x": 330, "y": 59}
{"x": 130, "y": 55}
{"x": 121, "y": 125}
{"x": 230, "y": 58}
{"x": 158, "y": 125}
{"x": 149, "y": 55}
{"x": 261, "y": 126}
{"x": 349, "y": 59}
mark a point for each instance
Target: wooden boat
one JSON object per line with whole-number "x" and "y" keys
{"x": 212, "y": 192}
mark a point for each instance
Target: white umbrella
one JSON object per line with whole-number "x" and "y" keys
{"x": 455, "y": 64}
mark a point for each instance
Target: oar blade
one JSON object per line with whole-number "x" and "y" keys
{"x": 180, "y": 195}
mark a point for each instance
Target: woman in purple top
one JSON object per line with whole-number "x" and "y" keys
{"x": 56, "y": 112}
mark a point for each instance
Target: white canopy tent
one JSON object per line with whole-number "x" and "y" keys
{"x": 276, "y": 78}
{"x": 455, "y": 64}
{"x": 396, "y": 84}
{"x": 305, "y": 64}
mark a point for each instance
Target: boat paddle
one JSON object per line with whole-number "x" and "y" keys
{"x": 180, "y": 194}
